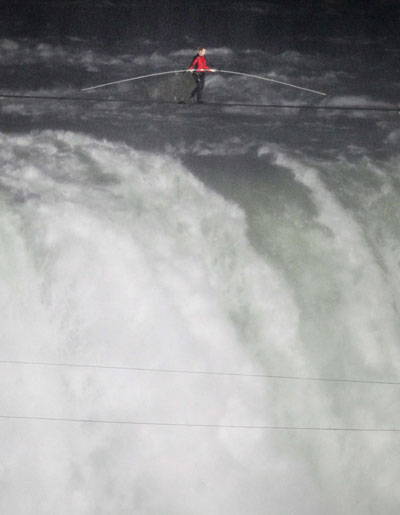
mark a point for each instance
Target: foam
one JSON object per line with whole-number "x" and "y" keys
{"x": 122, "y": 257}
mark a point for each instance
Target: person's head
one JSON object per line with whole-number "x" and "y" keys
{"x": 202, "y": 51}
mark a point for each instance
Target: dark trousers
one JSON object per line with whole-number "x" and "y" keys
{"x": 199, "y": 79}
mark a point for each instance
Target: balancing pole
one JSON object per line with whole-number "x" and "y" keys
{"x": 131, "y": 79}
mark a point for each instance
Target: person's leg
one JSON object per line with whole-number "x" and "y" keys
{"x": 200, "y": 87}
{"x": 196, "y": 79}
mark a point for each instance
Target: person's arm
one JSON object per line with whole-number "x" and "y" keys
{"x": 210, "y": 67}
{"x": 194, "y": 63}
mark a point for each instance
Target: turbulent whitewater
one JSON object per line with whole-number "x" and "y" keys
{"x": 224, "y": 240}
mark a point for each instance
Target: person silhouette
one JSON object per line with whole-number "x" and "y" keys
{"x": 198, "y": 67}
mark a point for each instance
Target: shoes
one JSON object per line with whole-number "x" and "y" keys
{"x": 193, "y": 101}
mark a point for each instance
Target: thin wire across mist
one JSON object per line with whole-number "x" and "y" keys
{"x": 198, "y": 372}
{"x": 195, "y": 425}
{"x": 395, "y": 109}
{"x": 203, "y": 426}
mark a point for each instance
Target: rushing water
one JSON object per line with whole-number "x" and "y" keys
{"x": 221, "y": 240}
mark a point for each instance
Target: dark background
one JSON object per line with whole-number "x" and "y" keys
{"x": 216, "y": 22}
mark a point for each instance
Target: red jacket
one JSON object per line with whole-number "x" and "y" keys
{"x": 199, "y": 63}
